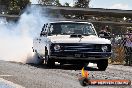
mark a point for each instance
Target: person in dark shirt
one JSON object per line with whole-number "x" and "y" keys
{"x": 128, "y": 47}
{"x": 104, "y": 33}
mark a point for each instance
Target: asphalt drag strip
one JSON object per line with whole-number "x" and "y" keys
{"x": 66, "y": 76}
{"x": 7, "y": 84}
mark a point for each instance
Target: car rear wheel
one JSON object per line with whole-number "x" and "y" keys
{"x": 102, "y": 64}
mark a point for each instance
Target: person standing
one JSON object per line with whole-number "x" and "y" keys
{"x": 104, "y": 33}
{"x": 128, "y": 47}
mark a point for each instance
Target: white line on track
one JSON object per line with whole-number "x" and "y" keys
{"x": 5, "y": 75}
{"x": 10, "y": 84}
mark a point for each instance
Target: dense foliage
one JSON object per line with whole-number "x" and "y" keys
{"x": 82, "y": 3}
{"x": 78, "y": 3}
{"x": 14, "y": 6}
{"x": 50, "y": 2}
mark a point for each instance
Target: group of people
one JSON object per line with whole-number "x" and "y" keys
{"x": 104, "y": 33}
{"x": 127, "y": 42}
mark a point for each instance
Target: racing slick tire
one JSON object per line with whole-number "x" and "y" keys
{"x": 102, "y": 65}
{"x": 48, "y": 61}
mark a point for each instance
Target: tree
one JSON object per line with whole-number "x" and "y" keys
{"x": 4, "y": 2}
{"x": 15, "y": 6}
{"x": 57, "y": 3}
{"x": 50, "y": 2}
{"x": 23, "y": 3}
{"x": 4, "y": 6}
{"x": 66, "y": 4}
{"x": 82, "y": 3}
{"x": 46, "y": 2}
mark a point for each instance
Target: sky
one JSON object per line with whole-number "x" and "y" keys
{"x": 108, "y": 4}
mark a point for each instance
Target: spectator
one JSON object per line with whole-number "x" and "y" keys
{"x": 128, "y": 47}
{"x": 104, "y": 33}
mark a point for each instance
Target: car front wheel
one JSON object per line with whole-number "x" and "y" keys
{"x": 49, "y": 61}
{"x": 102, "y": 64}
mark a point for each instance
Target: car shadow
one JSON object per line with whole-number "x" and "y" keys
{"x": 64, "y": 67}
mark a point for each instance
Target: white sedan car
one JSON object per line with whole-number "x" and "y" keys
{"x": 73, "y": 43}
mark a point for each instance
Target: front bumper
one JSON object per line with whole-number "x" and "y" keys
{"x": 80, "y": 51}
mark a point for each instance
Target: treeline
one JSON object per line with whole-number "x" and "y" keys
{"x": 77, "y": 3}
{"x": 16, "y": 6}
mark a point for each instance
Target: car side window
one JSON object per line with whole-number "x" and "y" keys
{"x": 44, "y": 30}
{"x": 43, "y": 27}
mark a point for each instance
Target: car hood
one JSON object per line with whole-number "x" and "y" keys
{"x": 92, "y": 39}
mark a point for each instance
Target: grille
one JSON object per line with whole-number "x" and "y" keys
{"x": 77, "y": 47}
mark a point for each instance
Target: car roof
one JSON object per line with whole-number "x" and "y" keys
{"x": 70, "y": 22}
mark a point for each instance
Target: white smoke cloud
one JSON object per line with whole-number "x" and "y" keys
{"x": 34, "y": 1}
{"x": 16, "y": 38}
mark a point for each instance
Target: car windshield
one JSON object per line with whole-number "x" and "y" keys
{"x": 72, "y": 28}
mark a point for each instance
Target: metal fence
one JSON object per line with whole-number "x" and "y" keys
{"x": 121, "y": 54}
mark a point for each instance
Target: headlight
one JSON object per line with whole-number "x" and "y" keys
{"x": 104, "y": 48}
{"x": 57, "y": 47}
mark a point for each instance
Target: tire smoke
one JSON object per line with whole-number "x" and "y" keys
{"x": 16, "y": 37}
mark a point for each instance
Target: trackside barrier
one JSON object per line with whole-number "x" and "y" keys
{"x": 121, "y": 54}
